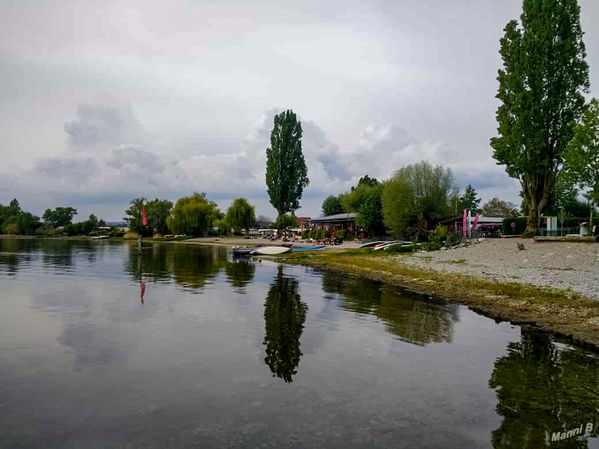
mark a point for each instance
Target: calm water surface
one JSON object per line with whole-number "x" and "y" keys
{"x": 182, "y": 347}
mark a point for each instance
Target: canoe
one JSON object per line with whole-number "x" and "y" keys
{"x": 308, "y": 248}
{"x": 369, "y": 244}
{"x": 242, "y": 251}
{"x": 271, "y": 250}
{"x": 391, "y": 245}
{"x": 391, "y": 242}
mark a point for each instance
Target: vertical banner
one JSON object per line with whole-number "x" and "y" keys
{"x": 464, "y": 225}
{"x": 144, "y": 219}
{"x": 473, "y": 232}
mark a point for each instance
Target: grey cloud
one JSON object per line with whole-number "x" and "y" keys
{"x": 136, "y": 159}
{"x": 99, "y": 124}
{"x": 76, "y": 170}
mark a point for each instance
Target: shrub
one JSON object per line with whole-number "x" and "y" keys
{"x": 305, "y": 234}
{"x": 341, "y": 234}
{"x": 349, "y": 236}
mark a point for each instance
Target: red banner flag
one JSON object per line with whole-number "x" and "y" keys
{"x": 464, "y": 225}
{"x": 144, "y": 219}
{"x": 474, "y": 225}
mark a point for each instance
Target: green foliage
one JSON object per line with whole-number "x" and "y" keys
{"x": 469, "y": 200}
{"x": 193, "y": 215}
{"x": 341, "y": 234}
{"x": 286, "y": 221}
{"x": 15, "y": 221}
{"x": 82, "y": 228}
{"x": 541, "y": 88}
{"x": 27, "y": 223}
{"x": 506, "y": 226}
{"x": 157, "y": 213}
{"x": 241, "y": 215}
{"x": 417, "y": 196}
{"x": 332, "y": 206}
{"x": 443, "y": 236}
{"x": 365, "y": 200}
{"x": 134, "y": 217}
{"x": 286, "y": 171}
{"x": 582, "y": 154}
{"x": 499, "y": 208}
{"x": 59, "y": 217}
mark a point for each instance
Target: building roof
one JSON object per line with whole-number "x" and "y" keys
{"x": 336, "y": 217}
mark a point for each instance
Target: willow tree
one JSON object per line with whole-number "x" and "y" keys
{"x": 541, "y": 88}
{"x": 286, "y": 171}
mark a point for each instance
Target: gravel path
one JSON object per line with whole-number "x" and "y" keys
{"x": 555, "y": 264}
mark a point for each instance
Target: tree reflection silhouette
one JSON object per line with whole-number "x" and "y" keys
{"x": 413, "y": 318}
{"x": 543, "y": 389}
{"x": 189, "y": 266}
{"x": 240, "y": 273}
{"x": 284, "y": 317}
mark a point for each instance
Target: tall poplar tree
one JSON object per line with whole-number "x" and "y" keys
{"x": 286, "y": 171}
{"x": 541, "y": 89}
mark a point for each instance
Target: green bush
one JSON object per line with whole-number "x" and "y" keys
{"x": 341, "y": 234}
{"x": 349, "y": 236}
{"x": 506, "y": 226}
{"x": 325, "y": 234}
{"x": 305, "y": 234}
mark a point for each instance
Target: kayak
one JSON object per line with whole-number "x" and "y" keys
{"x": 271, "y": 250}
{"x": 392, "y": 242}
{"x": 403, "y": 245}
{"x": 369, "y": 244}
{"x": 308, "y": 248}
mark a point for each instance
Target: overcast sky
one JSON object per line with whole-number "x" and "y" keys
{"x": 105, "y": 101}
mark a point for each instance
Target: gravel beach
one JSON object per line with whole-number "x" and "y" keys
{"x": 563, "y": 265}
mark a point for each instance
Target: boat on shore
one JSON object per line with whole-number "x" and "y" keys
{"x": 270, "y": 250}
{"x": 308, "y": 248}
{"x": 371, "y": 244}
{"x": 242, "y": 251}
{"x": 384, "y": 245}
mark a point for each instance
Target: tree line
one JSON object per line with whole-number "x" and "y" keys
{"x": 57, "y": 221}
{"x": 193, "y": 215}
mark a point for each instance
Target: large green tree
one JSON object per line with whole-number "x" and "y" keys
{"x": 134, "y": 216}
{"x": 416, "y": 197}
{"x": 241, "y": 215}
{"x": 193, "y": 215}
{"x": 332, "y": 206}
{"x": 365, "y": 200}
{"x": 582, "y": 155}
{"x": 157, "y": 212}
{"x": 541, "y": 89}
{"x": 61, "y": 216}
{"x": 499, "y": 208}
{"x": 286, "y": 171}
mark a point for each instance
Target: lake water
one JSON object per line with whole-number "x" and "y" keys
{"x": 182, "y": 347}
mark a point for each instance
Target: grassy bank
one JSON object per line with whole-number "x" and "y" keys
{"x": 562, "y": 312}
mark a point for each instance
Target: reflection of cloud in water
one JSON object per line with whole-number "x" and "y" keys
{"x": 93, "y": 346}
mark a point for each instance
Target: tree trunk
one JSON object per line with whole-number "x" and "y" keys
{"x": 592, "y": 213}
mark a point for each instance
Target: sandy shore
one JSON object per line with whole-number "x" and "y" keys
{"x": 562, "y": 265}
{"x": 242, "y": 241}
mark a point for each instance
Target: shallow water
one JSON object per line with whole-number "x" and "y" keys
{"x": 182, "y": 347}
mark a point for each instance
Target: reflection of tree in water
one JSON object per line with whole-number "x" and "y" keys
{"x": 284, "y": 317}
{"x": 413, "y": 318}
{"x": 190, "y": 266}
{"x": 240, "y": 273}
{"x": 9, "y": 257}
{"x": 543, "y": 389}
